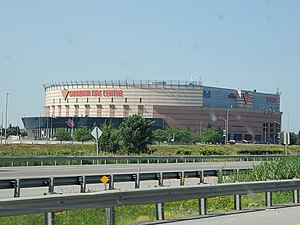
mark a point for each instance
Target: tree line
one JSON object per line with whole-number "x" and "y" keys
{"x": 135, "y": 134}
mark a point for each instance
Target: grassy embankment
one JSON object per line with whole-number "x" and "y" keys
{"x": 288, "y": 168}
{"x": 161, "y": 150}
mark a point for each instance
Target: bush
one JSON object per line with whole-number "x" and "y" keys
{"x": 260, "y": 152}
{"x": 212, "y": 152}
{"x": 183, "y": 152}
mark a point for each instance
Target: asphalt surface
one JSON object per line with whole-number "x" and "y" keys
{"x": 279, "y": 216}
{"x": 47, "y": 171}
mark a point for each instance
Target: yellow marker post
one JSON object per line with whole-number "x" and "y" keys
{"x": 104, "y": 179}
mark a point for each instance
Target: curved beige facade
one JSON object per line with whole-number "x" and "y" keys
{"x": 118, "y": 99}
{"x": 249, "y": 115}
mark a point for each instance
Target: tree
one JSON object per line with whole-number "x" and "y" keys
{"x": 61, "y": 134}
{"x": 83, "y": 134}
{"x": 160, "y": 136}
{"x": 212, "y": 136}
{"x": 135, "y": 134}
{"x": 12, "y": 130}
{"x": 109, "y": 140}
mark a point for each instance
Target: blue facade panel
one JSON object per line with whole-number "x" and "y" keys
{"x": 219, "y": 97}
{"x": 262, "y": 101}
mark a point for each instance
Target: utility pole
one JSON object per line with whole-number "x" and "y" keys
{"x": 1, "y": 125}
{"x": 6, "y": 109}
{"x": 227, "y": 126}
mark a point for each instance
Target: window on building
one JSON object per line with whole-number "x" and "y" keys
{"x": 53, "y": 110}
{"x": 112, "y": 100}
{"x": 87, "y": 100}
{"x": 67, "y": 110}
{"x": 141, "y": 110}
{"x": 59, "y": 110}
{"x": 87, "y": 110}
{"x": 125, "y": 100}
{"x": 112, "y": 110}
{"x": 99, "y": 110}
{"x": 76, "y": 110}
{"x": 126, "y": 111}
{"x": 140, "y": 100}
{"x": 99, "y": 99}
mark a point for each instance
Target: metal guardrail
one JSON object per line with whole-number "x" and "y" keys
{"x": 82, "y": 160}
{"x": 112, "y": 198}
{"x": 83, "y": 181}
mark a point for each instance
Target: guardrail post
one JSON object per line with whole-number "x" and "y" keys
{"x": 160, "y": 212}
{"x": 50, "y": 218}
{"x": 110, "y": 216}
{"x": 237, "y": 202}
{"x": 110, "y": 212}
{"x": 268, "y": 198}
{"x": 220, "y": 176}
{"x": 82, "y": 184}
{"x": 181, "y": 176}
{"x": 296, "y": 196}
{"x": 202, "y": 207}
{"x": 237, "y": 174}
{"x": 111, "y": 183}
{"x": 51, "y": 185}
{"x": 201, "y": 176}
{"x": 17, "y": 188}
{"x": 137, "y": 180}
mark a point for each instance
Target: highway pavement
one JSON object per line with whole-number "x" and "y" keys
{"x": 77, "y": 170}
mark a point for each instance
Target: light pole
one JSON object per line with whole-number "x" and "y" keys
{"x": 6, "y": 109}
{"x": 1, "y": 125}
{"x": 225, "y": 126}
{"x": 200, "y": 127}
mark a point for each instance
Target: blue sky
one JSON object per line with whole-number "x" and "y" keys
{"x": 250, "y": 44}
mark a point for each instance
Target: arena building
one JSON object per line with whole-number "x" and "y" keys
{"x": 245, "y": 115}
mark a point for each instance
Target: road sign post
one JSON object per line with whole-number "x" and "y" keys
{"x": 96, "y": 134}
{"x": 286, "y": 141}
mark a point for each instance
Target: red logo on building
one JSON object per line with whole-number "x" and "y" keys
{"x": 91, "y": 93}
{"x": 247, "y": 97}
{"x": 65, "y": 94}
